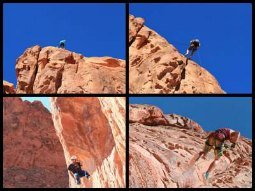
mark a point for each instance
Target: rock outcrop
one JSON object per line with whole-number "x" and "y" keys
{"x": 159, "y": 155}
{"x": 33, "y": 156}
{"x": 38, "y": 144}
{"x": 55, "y": 70}
{"x": 93, "y": 129}
{"x": 152, "y": 116}
{"x": 8, "y": 88}
{"x": 155, "y": 66}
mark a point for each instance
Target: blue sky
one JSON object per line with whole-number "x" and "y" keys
{"x": 210, "y": 112}
{"x": 45, "y": 100}
{"x": 224, "y": 30}
{"x": 90, "y": 29}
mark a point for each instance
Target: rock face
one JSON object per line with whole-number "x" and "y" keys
{"x": 93, "y": 129}
{"x": 157, "y": 67}
{"x": 152, "y": 116}
{"x": 33, "y": 155}
{"x": 159, "y": 156}
{"x": 8, "y": 88}
{"x": 56, "y": 70}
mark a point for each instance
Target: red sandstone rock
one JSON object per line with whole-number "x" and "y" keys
{"x": 33, "y": 156}
{"x": 153, "y": 116}
{"x": 93, "y": 129}
{"x": 155, "y": 66}
{"x": 183, "y": 122}
{"x": 159, "y": 157}
{"x": 56, "y": 70}
{"x": 145, "y": 114}
{"x": 8, "y": 88}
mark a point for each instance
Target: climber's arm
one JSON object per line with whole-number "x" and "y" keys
{"x": 69, "y": 170}
{"x": 71, "y": 174}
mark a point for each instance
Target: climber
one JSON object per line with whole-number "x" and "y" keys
{"x": 194, "y": 45}
{"x": 216, "y": 139}
{"x": 62, "y": 44}
{"x": 76, "y": 171}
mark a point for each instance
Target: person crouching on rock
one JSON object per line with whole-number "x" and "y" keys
{"x": 76, "y": 171}
{"x": 216, "y": 140}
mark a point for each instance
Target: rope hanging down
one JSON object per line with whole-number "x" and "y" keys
{"x": 200, "y": 61}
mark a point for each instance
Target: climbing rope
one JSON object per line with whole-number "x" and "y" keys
{"x": 200, "y": 61}
{"x": 181, "y": 44}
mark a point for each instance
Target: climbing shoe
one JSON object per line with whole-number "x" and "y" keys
{"x": 206, "y": 175}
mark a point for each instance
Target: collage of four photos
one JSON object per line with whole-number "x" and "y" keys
{"x": 127, "y": 95}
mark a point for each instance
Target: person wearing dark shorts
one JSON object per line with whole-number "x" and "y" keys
{"x": 76, "y": 171}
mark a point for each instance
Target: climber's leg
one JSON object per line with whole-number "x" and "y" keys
{"x": 218, "y": 152}
{"x": 187, "y": 52}
{"x": 87, "y": 175}
{"x": 62, "y": 45}
{"x": 83, "y": 173}
{"x": 203, "y": 153}
{"x": 192, "y": 52}
{"x": 77, "y": 178}
{"x": 208, "y": 146}
{"x": 213, "y": 164}
{"x": 211, "y": 167}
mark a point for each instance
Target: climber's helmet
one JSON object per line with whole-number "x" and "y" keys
{"x": 73, "y": 158}
{"x": 62, "y": 42}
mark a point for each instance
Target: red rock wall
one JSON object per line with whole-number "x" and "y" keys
{"x": 93, "y": 129}
{"x": 156, "y": 66}
{"x": 33, "y": 155}
{"x": 159, "y": 156}
{"x": 56, "y": 70}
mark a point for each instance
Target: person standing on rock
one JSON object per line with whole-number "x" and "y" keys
{"x": 76, "y": 171}
{"x": 62, "y": 44}
{"x": 216, "y": 140}
{"x": 194, "y": 45}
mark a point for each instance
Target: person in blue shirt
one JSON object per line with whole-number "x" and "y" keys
{"x": 62, "y": 44}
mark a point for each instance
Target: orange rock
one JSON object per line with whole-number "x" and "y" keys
{"x": 159, "y": 156}
{"x": 93, "y": 129}
{"x": 8, "y": 88}
{"x": 33, "y": 156}
{"x": 157, "y": 67}
{"x": 56, "y": 70}
{"x": 152, "y": 116}
{"x": 145, "y": 114}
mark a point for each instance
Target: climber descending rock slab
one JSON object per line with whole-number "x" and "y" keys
{"x": 93, "y": 129}
{"x": 156, "y": 66}
{"x": 162, "y": 154}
